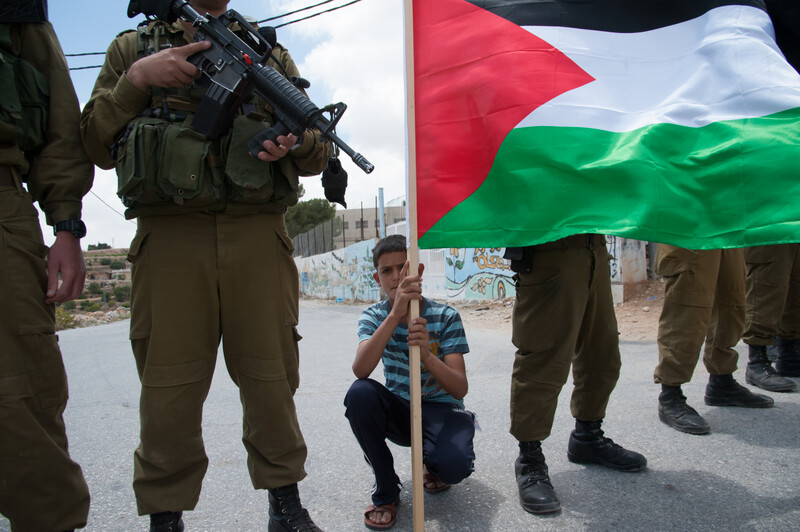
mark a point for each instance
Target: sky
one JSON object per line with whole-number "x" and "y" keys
{"x": 353, "y": 55}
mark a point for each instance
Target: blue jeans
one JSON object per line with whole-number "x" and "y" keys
{"x": 376, "y": 414}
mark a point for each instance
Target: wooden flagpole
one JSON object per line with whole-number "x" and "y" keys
{"x": 415, "y": 384}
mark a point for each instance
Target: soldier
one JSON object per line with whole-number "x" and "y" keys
{"x": 703, "y": 301}
{"x": 773, "y": 315}
{"x": 563, "y": 316}
{"x": 773, "y": 272}
{"x": 211, "y": 259}
{"x": 41, "y": 159}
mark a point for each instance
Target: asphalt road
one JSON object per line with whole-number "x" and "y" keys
{"x": 743, "y": 476}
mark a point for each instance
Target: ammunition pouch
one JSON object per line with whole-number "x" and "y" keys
{"x": 24, "y": 99}
{"x": 169, "y": 163}
{"x": 251, "y": 180}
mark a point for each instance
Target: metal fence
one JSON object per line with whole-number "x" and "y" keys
{"x": 317, "y": 240}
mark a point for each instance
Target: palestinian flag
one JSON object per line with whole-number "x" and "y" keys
{"x": 671, "y": 121}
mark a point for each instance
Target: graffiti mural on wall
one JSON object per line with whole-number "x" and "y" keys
{"x": 613, "y": 245}
{"x": 478, "y": 273}
{"x": 341, "y": 274}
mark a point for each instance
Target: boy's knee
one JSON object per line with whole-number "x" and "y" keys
{"x": 361, "y": 396}
{"x": 451, "y": 466}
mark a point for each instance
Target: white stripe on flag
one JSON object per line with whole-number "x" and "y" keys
{"x": 691, "y": 74}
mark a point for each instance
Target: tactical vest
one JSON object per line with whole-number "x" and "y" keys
{"x": 161, "y": 160}
{"x": 24, "y": 98}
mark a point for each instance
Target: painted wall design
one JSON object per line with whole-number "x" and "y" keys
{"x": 450, "y": 274}
{"x": 340, "y": 274}
{"x": 454, "y": 274}
{"x": 478, "y": 273}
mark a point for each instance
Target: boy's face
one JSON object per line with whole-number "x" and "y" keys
{"x": 388, "y": 274}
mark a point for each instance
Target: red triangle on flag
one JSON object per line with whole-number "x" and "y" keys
{"x": 476, "y": 75}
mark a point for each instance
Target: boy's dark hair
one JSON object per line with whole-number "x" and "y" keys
{"x": 388, "y": 244}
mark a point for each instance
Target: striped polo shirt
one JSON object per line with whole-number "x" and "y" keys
{"x": 446, "y": 334}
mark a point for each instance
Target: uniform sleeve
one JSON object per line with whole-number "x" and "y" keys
{"x": 115, "y": 101}
{"x": 61, "y": 174}
{"x": 312, "y": 156}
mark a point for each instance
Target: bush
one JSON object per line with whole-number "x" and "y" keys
{"x": 116, "y": 265}
{"x": 88, "y": 306}
{"x": 122, "y": 293}
{"x": 64, "y": 318}
{"x": 94, "y": 288}
{"x": 105, "y": 261}
{"x": 69, "y": 305}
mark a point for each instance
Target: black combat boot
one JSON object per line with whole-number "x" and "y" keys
{"x": 760, "y": 372}
{"x": 588, "y": 445}
{"x": 723, "y": 390}
{"x": 286, "y": 513}
{"x": 788, "y": 362}
{"x": 772, "y": 350}
{"x": 673, "y": 410}
{"x": 166, "y": 522}
{"x": 536, "y": 493}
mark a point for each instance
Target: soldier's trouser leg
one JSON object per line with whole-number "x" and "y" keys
{"x": 259, "y": 294}
{"x": 597, "y": 363}
{"x": 790, "y": 320}
{"x": 549, "y": 313}
{"x": 691, "y": 280}
{"x": 773, "y": 293}
{"x": 727, "y": 319}
{"x": 183, "y": 300}
{"x": 41, "y": 488}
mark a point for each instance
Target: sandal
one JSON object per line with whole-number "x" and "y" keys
{"x": 436, "y": 485}
{"x": 390, "y": 509}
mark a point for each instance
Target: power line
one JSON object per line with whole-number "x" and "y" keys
{"x": 259, "y": 22}
{"x": 296, "y": 11}
{"x": 109, "y": 206}
{"x": 317, "y": 14}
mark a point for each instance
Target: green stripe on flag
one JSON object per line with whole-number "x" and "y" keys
{"x": 728, "y": 184}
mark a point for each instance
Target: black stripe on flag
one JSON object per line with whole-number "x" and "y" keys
{"x": 618, "y": 16}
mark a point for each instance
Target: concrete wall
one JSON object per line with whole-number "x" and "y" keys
{"x": 451, "y": 274}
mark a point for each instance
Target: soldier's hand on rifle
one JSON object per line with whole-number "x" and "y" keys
{"x": 273, "y": 152}
{"x": 167, "y": 68}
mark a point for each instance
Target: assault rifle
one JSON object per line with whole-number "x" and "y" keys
{"x": 235, "y": 67}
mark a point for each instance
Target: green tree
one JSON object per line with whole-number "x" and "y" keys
{"x": 116, "y": 265}
{"x": 105, "y": 261}
{"x": 308, "y": 214}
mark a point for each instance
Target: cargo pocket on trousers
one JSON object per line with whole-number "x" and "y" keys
{"x": 290, "y": 283}
{"x": 675, "y": 261}
{"x": 24, "y": 266}
{"x": 48, "y": 377}
{"x": 534, "y": 301}
{"x": 137, "y": 256}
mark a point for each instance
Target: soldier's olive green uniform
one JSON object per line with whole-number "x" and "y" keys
{"x": 41, "y": 488}
{"x": 703, "y": 301}
{"x": 563, "y": 316}
{"x": 773, "y": 293}
{"x": 211, "y": 259}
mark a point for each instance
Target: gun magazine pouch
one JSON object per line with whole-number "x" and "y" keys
{"x": 169, "y": 163}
